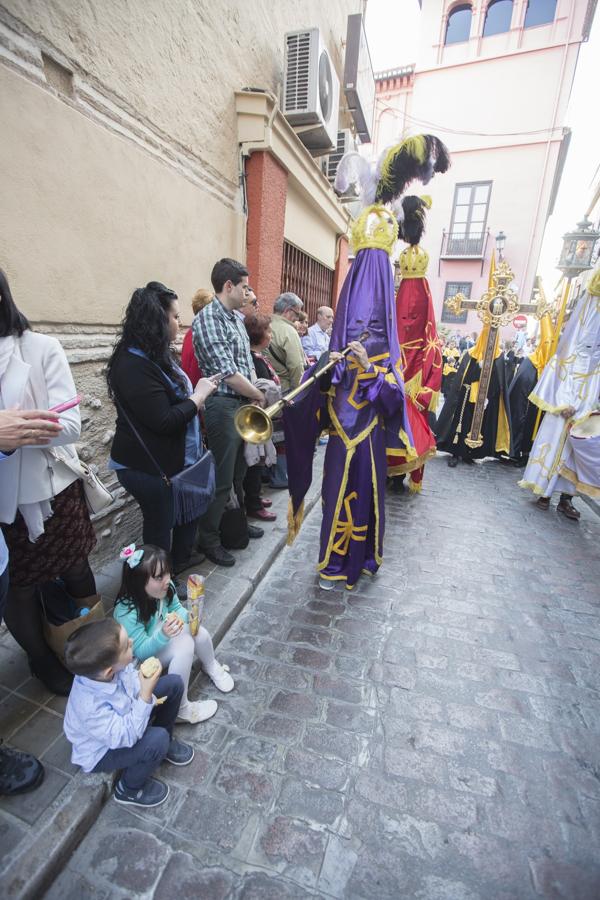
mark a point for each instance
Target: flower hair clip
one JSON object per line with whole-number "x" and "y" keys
{"x": 131, "y": 556}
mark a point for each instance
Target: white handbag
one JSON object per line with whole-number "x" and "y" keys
{"x": 97, "y": 495}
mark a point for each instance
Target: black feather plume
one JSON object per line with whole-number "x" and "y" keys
{"x": 413, "y": 225}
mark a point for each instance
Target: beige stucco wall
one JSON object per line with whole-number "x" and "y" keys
{"x": 305, "y": 228}
{"x": 177, "y": 64}
{"x": 86, "y": 216}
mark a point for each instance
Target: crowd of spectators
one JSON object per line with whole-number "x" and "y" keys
{"x": 168, "y": 411}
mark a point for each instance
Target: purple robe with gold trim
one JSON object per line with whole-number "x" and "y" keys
{"x": 364, "y": 411}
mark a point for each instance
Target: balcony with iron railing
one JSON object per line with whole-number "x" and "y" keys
{"x": 461, "y": 247}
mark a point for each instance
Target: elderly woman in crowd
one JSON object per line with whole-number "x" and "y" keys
{"x": 45, "y": 519}
{"x": 301, "y": 324}
{"x": 157, "y": 417}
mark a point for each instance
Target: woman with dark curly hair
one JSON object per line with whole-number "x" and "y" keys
{"x": 155, "y": 397}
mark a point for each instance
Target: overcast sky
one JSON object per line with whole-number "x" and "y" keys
{"x": 393, "y": 31}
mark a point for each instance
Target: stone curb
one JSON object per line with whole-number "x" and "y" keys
{"x": 35, "y": 869}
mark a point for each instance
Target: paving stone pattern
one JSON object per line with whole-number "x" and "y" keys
{"x": 432, "y": 735}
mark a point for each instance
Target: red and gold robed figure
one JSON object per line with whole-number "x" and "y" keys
{"x": 420, "y": 347}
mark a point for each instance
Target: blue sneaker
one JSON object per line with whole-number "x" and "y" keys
{"x": 179, "y": 754}
{"x": 153, "y": 793}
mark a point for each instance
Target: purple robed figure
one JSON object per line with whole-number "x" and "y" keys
{"x": 363, "y": 409}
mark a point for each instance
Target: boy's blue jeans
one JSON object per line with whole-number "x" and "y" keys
{"x": 140, "y": 761}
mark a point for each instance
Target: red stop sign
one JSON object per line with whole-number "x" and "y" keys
{"x": 520, "y": 321}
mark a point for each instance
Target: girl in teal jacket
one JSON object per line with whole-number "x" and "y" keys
{"x": 144, "y": 602}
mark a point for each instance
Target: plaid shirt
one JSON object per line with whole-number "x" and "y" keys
{"x": 221, "y": 345}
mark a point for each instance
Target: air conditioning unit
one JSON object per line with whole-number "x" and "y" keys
{"x": 311, "y": 91}
{"x": 345, "y": 144}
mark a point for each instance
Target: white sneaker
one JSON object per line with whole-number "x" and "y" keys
{"x": 196, "y": 712}
{"x": 325, "y": 584}
{"x": 220, "y": 677}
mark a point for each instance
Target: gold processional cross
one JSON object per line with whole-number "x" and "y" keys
{"x": 498, "y": 306}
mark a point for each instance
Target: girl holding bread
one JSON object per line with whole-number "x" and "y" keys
{"x": 148, "y": 608}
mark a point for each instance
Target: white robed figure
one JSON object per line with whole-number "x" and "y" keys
{"x": 568, "y": 392}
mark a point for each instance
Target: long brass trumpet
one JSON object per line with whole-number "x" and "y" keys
{"x": 255, "y": 425}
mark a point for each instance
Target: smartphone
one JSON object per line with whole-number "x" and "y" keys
{"x": 217, "y": 379}
{"x": 68, "y": 404}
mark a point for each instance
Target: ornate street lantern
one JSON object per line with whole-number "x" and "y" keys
{"x": 578, "y": 246}
{"x": 576, "y": 257}
{"x": 500, "y": 242}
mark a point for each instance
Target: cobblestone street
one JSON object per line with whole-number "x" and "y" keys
{"x": 433, "y": 735}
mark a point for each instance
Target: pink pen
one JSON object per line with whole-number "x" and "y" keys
{"x": 68, "y": 404}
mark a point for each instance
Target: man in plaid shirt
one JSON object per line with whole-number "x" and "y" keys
{"x": 222, "y": 348}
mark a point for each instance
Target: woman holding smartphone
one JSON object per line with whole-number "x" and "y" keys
{"x": 44, "y": 516}
{"x": 157, "y": 423}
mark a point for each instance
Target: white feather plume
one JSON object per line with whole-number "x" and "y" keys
{"x": 397, "y": 207}
{"x": 354, "y": 169}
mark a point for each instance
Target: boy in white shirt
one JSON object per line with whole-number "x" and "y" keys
{"x": 118, "y": 719}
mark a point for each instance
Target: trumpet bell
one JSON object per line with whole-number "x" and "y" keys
{"x": 253, "y": 424}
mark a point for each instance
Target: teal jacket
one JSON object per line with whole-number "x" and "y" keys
{"x": 148, "y": 639}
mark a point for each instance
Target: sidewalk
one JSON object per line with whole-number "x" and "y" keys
{"x": 40, "y": 829}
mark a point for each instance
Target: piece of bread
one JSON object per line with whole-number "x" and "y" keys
{"x": 174, "y": 617}
{"x": 150, "y": 667}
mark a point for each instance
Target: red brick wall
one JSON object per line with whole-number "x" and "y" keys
{"x": 266, "y": 186}
{"x": 341, "y": 268}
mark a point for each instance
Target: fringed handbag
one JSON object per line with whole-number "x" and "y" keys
{"x": 194, "y": 488}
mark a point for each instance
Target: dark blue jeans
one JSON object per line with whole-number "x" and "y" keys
{"x": 140, "y": 761}
{"x": 230, "y": 465}
{"x": 155, "y": 499}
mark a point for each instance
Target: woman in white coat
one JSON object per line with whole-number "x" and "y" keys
{"x": 44, "y": 516}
